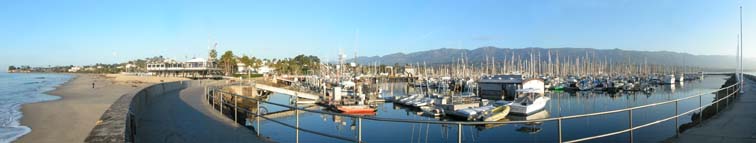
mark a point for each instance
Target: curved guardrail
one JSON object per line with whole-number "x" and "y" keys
{"x": 214, "y": 92}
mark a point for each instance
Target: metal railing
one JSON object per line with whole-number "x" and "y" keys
{"x": 214, "y": 92}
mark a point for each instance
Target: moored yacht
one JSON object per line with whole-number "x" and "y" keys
{"x": 529, "y": 101}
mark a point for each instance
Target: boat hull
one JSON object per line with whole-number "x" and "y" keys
{"x": 538, "y": 105}
{"x": 497, "y": 114}
{"x": 355, "y": 110}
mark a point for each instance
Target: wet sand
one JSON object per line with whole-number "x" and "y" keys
{"x": 71, "y": 118}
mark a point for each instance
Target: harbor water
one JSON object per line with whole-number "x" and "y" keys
{"x": 19, "y": 89}
{"x": 561, "y": 104}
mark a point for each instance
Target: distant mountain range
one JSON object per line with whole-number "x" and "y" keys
{"x": 476, "y": 56}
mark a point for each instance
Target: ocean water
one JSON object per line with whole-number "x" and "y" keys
{"x": 22, "y": 88}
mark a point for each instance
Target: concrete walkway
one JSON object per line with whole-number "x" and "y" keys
{"x": 735, "y": 125}
{"x": 185, "y": 117}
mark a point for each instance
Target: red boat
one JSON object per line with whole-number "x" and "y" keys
{"x": 356, "y": 109}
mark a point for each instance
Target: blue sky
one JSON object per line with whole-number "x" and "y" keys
{"x": 41, "y": 33}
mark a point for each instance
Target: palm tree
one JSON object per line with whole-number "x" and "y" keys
{"x": 227, "y": 62}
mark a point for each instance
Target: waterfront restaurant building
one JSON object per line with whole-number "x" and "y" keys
{"x": 195, "y": 68}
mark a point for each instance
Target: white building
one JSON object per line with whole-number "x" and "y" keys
{"x": 242, "y": 68}
{"x": 194, "y": 68}
{"x": 264, "y": 69}
{"x": 74, "y": 69}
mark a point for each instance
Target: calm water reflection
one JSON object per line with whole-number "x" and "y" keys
{"x": 562, "y": 104}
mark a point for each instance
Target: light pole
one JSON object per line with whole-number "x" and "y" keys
{"x": 742, "y": 82}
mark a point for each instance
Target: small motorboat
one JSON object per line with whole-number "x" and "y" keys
{"x": 407, "y": 99}
{"x": 529, "y": 102}
{"x": 496, "y": 114}
{"x": 432, "y": 111}
{"x": 472, "y": 113}
{"x": 355, "y": 109}
{"x": 423, "y": 102}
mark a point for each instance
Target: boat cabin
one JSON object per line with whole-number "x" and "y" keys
{"x": 499, "y": 87}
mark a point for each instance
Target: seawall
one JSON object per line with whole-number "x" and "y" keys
{"x": 119, "y": 122}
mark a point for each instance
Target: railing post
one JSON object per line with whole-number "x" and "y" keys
{"x": 677, "y": 116}
{"x": 733, "y": 95}
{"x": 359, "y": 129}
{"x": 630, "y": 123}
{"x": 727, "y": 99}
{"x": 459, "y": 132}
{"x": 257, "y": 117}
{"x": 717, "y": 106}
{"x": 217, "y": 95}
{"x": 236, "y": 109}
{"x": 221, "y": 104}
{"x": 559, "y": 125}
{"x": 296, "y": 112}
{"x": 700, "y": 109}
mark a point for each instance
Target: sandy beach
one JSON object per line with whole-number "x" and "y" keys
{"x": 71, "y": 118}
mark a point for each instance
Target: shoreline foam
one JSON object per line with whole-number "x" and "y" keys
{"x": 23, "y": 92}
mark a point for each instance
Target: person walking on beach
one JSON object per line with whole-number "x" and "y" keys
{"x": 92, "y": 84}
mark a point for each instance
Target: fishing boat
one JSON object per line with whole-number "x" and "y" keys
{"x": 355, "y": 109}
{"x": 496, "y": 114}
{"x": 530, "y": 101}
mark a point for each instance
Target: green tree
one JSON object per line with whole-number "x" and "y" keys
{"x": 213, "y": 54}
{"x": 305, "y": 64}
{"x": 255, "y": 62}
{"x": 246, "y": 60}
{"x": 228, "y": 63}
{"x": 249, "y": 62}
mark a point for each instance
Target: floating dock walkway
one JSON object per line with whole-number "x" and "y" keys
{"x": 287, "y": 91}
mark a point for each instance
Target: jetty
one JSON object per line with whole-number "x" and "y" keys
{"x": 734, "y": 124}
{"x": 168, "y": 112}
